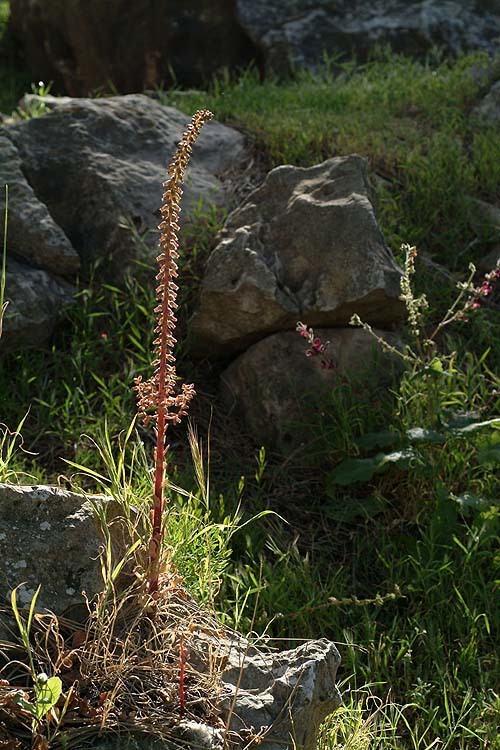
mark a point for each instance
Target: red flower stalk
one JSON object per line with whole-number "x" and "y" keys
{"x": 182, "y": 675}
{"x": 158, "y": 400}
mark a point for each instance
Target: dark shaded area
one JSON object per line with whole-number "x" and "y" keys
{"x": 85, "y": 46}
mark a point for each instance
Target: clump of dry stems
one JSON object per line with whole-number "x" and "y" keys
{"x": 122, "y": 671}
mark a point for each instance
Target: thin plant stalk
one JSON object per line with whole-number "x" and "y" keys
{"x": 157, "y": 397}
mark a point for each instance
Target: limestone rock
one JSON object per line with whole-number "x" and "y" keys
{"x": 98, "y": 165}
{"x": 36, "y": 302}
{"x": 50, "y": 536}
{"x": 186, "y": 734}
{"x": 274, "y": 387}
{"x": 282, "y": 698}
{"x": 304, "y": 246}
{"x": 298, "y": 34}
{"x": 33, "y": 235}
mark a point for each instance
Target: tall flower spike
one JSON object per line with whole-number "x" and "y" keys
{"x": 158, "y": 400}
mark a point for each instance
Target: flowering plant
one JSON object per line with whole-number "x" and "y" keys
{"x": 158, "y": 400}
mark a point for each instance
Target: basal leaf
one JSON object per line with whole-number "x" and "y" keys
{"x": 381, "y": 439}
{"x": 352, "y": 470}
{"x": 474, "y": 426}
{"x": 489, "y": 456}
{"x": 353, "y": 508}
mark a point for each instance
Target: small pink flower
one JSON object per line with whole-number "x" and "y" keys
{"x": 327, "y": 364}
{"x": 317, "y": 347}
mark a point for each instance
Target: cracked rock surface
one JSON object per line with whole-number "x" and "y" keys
{"x": 304, "y": 246}
{"x": 282, "y": 697}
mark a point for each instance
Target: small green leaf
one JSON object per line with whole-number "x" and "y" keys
{"x": 24, "y": 704}
{"x": 436, "y": 365}
{"x": 353, "y": 508}
{"x": 352, "y": 470}
{"x": 47, "y": 693}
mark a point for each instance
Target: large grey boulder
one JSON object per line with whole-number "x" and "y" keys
{"x": 304, "y": 246}
{"x": 85, "y": 186}
{"x": 99, "y": 164}
{"x": 37, "y": 300}
{"x": 52, "y": 537}
{"x": 39, "y": 257}
{"x": 291, "y": 35}
{"x": 278, "y": 391}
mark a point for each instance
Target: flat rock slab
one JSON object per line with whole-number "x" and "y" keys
{"x": 276, "y": 389}
{"x": 50, "y": 537}
{"x": 304, "y": 246}
{"x": 99, "y": 164}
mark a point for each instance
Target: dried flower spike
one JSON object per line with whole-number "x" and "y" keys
{"x": 158, "y": 400}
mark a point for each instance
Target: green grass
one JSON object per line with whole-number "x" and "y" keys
{"x": 396, "y": 569}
